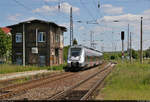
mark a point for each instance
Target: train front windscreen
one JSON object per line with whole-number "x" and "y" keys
{"x": 75, "y": 52}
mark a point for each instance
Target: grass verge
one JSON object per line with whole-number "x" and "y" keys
{"x": 127, "y": 82}
{"x": 25, "y": 79}
{"x": 7, "y": 68}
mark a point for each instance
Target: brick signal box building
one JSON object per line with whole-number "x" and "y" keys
{"x": 43, "y": 43}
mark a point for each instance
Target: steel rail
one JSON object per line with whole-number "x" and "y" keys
{"x": 42, "y": 82}
{"x": 91, "y": 91}
{"x": 61, "y": 94}
{"x": 23, "y": 77}
{"x": 18, "y": 85}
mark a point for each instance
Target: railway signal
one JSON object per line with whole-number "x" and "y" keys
{"x": 98, "y": 4}
{"x": 122, "y": 38}
{"x": 122, "y": 35}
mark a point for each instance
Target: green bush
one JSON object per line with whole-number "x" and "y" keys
{"x": 65, "y": 54}
{"x": 128, "y": 82}
{"x": 112, "y": 57}
{"x": 59, "y": 67}
{"x": 9, "y": 68}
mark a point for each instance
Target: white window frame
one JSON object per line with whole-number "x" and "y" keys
{"x": 41, "y": 34}
{"x": 18, "y": 37}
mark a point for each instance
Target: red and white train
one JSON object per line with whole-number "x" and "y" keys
{"x": 80, "y": 57}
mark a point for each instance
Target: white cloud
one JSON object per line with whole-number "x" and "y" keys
{"x": 112, "y": 10}
{"x": 134, "y": 21}
{"x": 65, "y": 8}
{"x": 45, "y": 9}
{"x": 101, "y": 29}
{"x": 147, "y": 11}
{"x": 14, "y": 18}
{"x": 121, "y": 18}
{"x": 18, "y": 18}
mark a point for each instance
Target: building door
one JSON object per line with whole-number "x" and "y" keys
{"x": 42, "y": 61}
{"x": 19, "y": 61}
{"x": 57, "y": 55}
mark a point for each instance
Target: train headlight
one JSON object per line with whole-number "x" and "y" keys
{"x": 79, "y": 57}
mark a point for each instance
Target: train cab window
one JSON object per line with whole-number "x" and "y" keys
{"x": 75, "y": 52}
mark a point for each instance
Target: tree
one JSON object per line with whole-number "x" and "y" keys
{"x": 134, "y": 54}
{"x": 65, "y": 52}
{"x": 147, "y": 52}
{"x": 5, "y": 45}
{"x": 75, "y": 42}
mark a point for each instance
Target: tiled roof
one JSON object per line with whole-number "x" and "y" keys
{"x": 6, "y": 30}
{"x": 37, "y": 20}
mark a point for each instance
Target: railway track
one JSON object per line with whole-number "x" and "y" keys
{"x": 13, "y": 90}
{"x": 49, "y": 87}
{"x": 85, "y": 88}
{"x": 10, "y": 82}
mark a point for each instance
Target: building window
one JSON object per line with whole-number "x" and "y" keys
{"x": 56, "y": 52}
{"x": 18, "y": 37}
{"x": 41, "y": 37}
{"x": 57, "y": 37}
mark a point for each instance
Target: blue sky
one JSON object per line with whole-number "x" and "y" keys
{"x": 106, "y": 32}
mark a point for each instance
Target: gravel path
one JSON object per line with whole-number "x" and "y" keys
{"x": 21, "y": 74}
{"x": 47, "y": 90}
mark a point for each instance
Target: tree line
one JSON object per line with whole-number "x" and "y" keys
{"x": 5, "y": 46}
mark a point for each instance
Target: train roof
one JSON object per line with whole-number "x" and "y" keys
{"x": 87, "y": 48}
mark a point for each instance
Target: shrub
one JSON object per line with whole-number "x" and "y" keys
{"x": 59, "y": 67}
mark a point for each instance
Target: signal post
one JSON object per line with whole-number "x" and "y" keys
{"x": 122, "y": 38}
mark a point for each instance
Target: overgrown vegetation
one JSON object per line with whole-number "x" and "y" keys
{"x": 135, "y": 54}
{"x": 59, "y": 67}
{"x": 147, "y": 53}
{"x": 5, "y": 46}
{"x": 65, "y": 53}
{"x": 75, "y": 42}
{"x": 6, "y": 68}
{"x": 128, "y": 82}
{"x": 118, "y": 55}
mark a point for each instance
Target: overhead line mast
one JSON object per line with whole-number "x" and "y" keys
{"x": 71, "y": 27}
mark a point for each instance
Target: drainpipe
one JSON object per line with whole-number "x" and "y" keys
{"x": 23, "y": 44}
